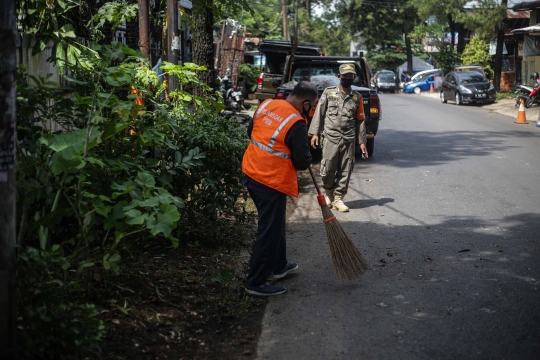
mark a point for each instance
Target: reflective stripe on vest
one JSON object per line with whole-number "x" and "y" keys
{"x": 270, "y": 150}
{"x": 278, "y": 130}
{"x": 261, "y": 108}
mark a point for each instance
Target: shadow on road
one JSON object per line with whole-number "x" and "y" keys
{"x": 419, "y": 148}
{"x": 463, "y": 288}
{"x": 362, "y": 204}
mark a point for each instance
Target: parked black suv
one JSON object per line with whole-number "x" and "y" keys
{"x": 323, "y": 71}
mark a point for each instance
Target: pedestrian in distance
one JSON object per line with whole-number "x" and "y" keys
{"x": 339, "y": 122}
{"x": 407, "y": 77}
{"x": 279, "y": 147}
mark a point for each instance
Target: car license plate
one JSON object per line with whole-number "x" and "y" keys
{"x": 480, "y": 95}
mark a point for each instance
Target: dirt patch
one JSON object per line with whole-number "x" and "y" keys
{"x": 186, "y": 302}
{"x": 181, "y": 303}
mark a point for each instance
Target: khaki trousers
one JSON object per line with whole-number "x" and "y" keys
{"x": 337, "y": 164}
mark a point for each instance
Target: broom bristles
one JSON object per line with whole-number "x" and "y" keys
{"x": 348, "y": 261}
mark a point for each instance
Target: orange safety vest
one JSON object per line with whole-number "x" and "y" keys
{"x": 267, "y": 159}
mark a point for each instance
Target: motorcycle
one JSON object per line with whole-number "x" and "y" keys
{"x": 232, "y": 97}
{"x": 234, "y": 100}
{"x": 522, "y": 92}
{"x": 530, "y": 94}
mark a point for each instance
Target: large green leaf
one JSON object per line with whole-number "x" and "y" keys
{"x": 70, "y": 143}
{"x": 145, "y": 179}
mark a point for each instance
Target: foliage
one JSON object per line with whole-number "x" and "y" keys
{"x": 114, "y": 13}
{"x": 215, "y": 189}
{"x": 445, "y": 58}
{"x": 488, "y": 15}
{"x": 392, "y": 57}
{"x": 48, "y": 325}
{"x": 116, "y": 170}
{"x": 477, "y": 53}
{"x": 264, "y": 21}
{"x": 505, "y": 95}
{"x": 249, "y": 72}
{"x": 53, "y": 21}
{"x": 379, "y": 23}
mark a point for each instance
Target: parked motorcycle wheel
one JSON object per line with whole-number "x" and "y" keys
{"x": 529, "y": 102}
{"x": 519, "y": 98}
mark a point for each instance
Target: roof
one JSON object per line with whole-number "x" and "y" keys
{"x": 282, "y": 46}
{"x": 518, "y": 14}
{"x": 418, "y": 65}
{"x": 533, "y": 28}
{"x": 526, "y": 5}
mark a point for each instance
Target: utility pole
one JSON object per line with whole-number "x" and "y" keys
{"x": 284, "y": 12}
{"x": 497, "y": 64}
{"x": 144, "y": 29}
{"x": 8, "y": 73}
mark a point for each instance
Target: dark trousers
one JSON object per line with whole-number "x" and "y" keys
{"x": 269, "y": 250}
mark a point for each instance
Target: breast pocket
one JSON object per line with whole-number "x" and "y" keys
{"x": 332, "y": 109}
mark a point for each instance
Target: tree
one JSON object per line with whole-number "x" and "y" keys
{"x": 203, "y": 43}
{"x": 488, "y": 17}
{"x": 477, "y": 52}
{"x": 204, "y": 12}
{"x": 7, "y": 174}
{"x": 383, "y": 25}
{"x": 446, "y": 12}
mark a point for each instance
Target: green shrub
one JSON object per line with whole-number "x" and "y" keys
{"x": 116, "y": 170}
{"x": 50, "y": 323}
{"x": 214, "y": 188}
{"x": 477, "y": 53}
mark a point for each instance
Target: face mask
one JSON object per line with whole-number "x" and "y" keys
{"x": 346, "y": 83}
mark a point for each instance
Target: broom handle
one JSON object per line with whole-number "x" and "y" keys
{"x": 314, "y": 181}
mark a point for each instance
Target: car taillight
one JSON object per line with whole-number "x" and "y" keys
{"x": 235, "y": 88}
{"x": 374, "y": 104}
{"x": 280, "y": 95}
{"x": 260, "y": 81}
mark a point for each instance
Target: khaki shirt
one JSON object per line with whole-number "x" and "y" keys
{"x": 339, "y": 115}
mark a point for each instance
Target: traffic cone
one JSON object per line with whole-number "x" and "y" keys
{"x": 521, "y": 114}
{"x": 431, "y": 88}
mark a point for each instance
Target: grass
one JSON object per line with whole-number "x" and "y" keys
{"x": 505, "y": 95}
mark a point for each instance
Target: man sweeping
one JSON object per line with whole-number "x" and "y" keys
{"x": 279, "y": 146}
{"x": 339, "y": 118}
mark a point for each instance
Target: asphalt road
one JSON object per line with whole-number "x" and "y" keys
{"x": 447, "y": 213}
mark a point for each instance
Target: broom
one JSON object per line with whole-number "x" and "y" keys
{"x": 348, "y": 261}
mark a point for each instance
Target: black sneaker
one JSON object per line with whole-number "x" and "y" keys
{"x": 265, "y": 290}
{"x": 290, "y": 267}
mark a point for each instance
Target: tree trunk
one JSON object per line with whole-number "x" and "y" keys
{"x": 8, "y": 75}
{"x": 497, "y": 64}
{"x": 461, "y": 40}
{"x": 203, "y": 45}
{"x": 144, "y": 29}
{"x": 453, "y": 32}
{"x": 409, "y": 55}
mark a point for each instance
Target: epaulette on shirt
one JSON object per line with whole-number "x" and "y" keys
{"x": 329, "y": 91}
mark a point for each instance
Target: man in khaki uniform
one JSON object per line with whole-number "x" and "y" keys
{"x": 339, "y": 120}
